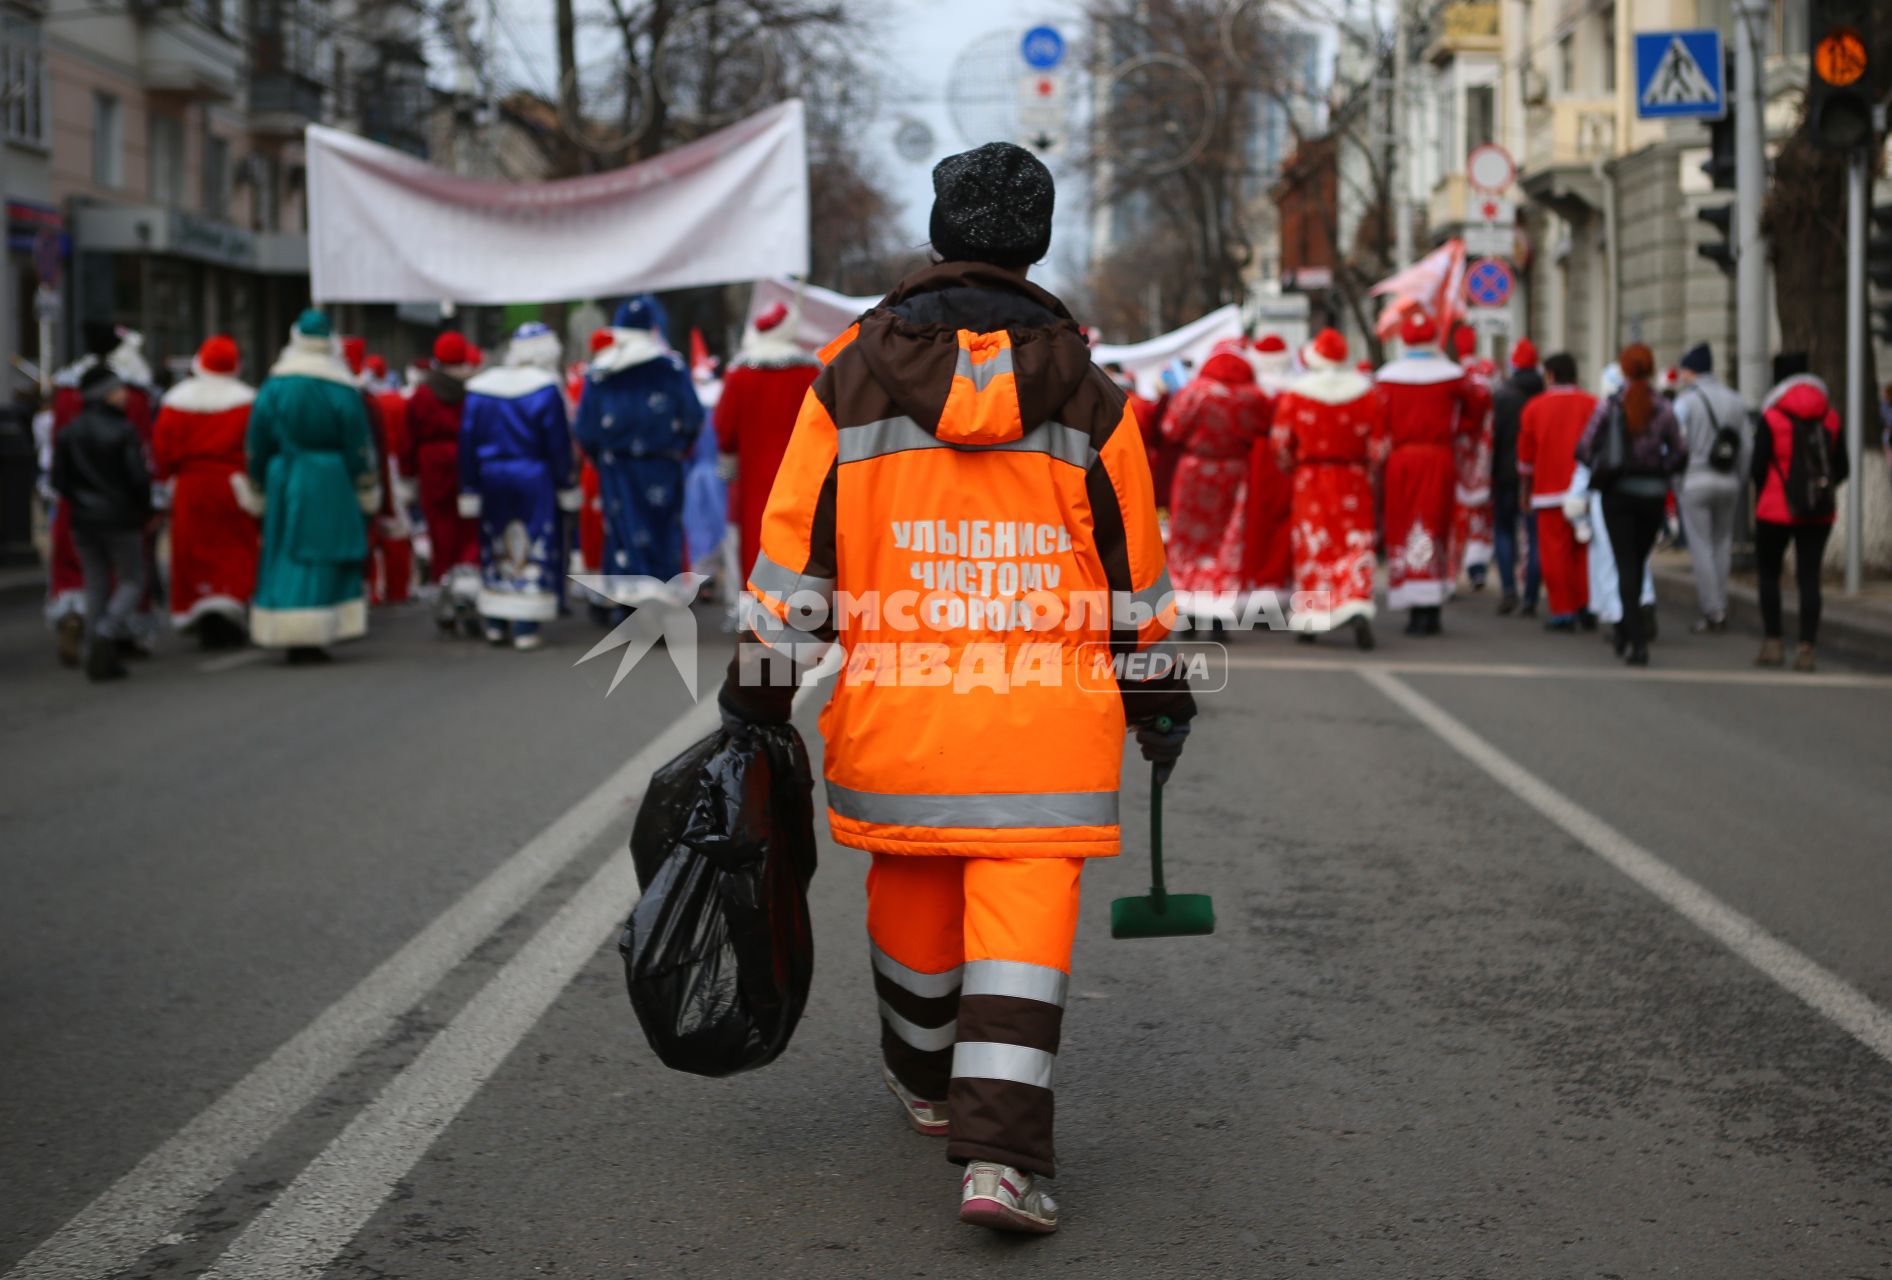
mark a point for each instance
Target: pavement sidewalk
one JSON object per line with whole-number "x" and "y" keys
{"x": 1857, "y": 627}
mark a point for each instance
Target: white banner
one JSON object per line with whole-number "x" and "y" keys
{"x": 385, "y": 227}
{"x": 1145, "y": 361}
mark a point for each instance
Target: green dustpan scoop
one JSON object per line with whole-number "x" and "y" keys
{"x": 1162, "y": 914}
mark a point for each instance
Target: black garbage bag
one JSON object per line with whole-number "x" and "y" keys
{"x": 718, "y": 952}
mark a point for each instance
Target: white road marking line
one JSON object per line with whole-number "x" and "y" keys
{"x": 305, "y": 1227}
{"x": 1526, "y": 671}
{"x": 231, "y": 661}
{"x": 112, "y": 1232}
{"x": 1825, "y": 991}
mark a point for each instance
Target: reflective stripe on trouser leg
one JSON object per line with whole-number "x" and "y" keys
{"x": 915, "y": 910}
{"x": 1021, "y": 915}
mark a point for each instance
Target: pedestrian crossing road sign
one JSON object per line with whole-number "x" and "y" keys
{"x": 1679, "y": 75}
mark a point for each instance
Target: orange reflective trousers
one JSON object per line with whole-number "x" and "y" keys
{"x": 971, "y": 962}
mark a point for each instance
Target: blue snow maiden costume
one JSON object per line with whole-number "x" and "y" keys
{"x": 517, "y": 472}
{"x": 638, "y": 421}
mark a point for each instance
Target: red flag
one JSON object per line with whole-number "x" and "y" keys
{"x": 1432, "y": 284}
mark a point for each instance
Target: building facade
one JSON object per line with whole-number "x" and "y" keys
{"x": 166, "y": 159}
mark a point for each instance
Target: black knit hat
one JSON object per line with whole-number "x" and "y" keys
{"x": 992, "y": 204}
{"x": 1698, "y": 359}
{"x": 99, "y": 381}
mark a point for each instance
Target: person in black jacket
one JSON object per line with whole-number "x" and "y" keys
{"x": 1507, "y": 500}
{"x": 99, "y": 469}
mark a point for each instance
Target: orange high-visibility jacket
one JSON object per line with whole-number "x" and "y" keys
{"x": 966, "y": 505}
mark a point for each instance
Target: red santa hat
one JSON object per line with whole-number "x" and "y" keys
{"x": 1366, "y": 367}
{"x": 1328, "y": 350}
{"x": 600, "y": 339}
{"x": 475, "y": 356}
{"x": 1227, "y": 364}
{"x": 452, "y": 349}
{"x": 355, "y": 352}
{"x": 1524, "y": 355}
{"x": 1464, "y": 341}
{"x": 1417, "y": 329}
{"x": 217, "y": 357}
{"x": 377, "y": 366}
{"x": 1271, "y": 344}
{"x": 771, "y": 317}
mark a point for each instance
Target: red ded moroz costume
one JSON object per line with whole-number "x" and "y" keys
{"x": 1548, "y": 431}
{"x": 1430, "y": 402}
{"x": 762, "y": 397}
{"x": 1329, "y": 431}
{"x": 197, "y": 444}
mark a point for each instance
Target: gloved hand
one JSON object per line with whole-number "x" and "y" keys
{"x": 1576, "y": 505}
{"x": 1162, "y": 744}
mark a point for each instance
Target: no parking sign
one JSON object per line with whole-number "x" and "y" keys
{"x": 1488, "y": 283}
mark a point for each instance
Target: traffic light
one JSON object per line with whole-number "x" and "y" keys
{"x": 1879, "y": 247}
{"x": 1721, "y": 218}
{"x": 1840, "y": 87}
{"x": 1719, "y": 166}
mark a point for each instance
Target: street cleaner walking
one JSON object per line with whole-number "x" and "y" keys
{"x": 966, "y": 506}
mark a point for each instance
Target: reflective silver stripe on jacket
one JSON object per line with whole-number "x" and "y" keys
{"x": 1016, "y": 978}
{"x": 899, "y": 435}
{"x": 782, "y": 582}
{"x": 1131, "y": 607}
{"x": 990, "y": 1060}
{"x": 925, "y": 1039}
{"x": 991, "y": 811}
{"x": 983, "y": 374}
{"x": 928, "y": 986}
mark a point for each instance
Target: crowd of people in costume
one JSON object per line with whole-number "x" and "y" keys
{"x": 276, "y": 515}
{"x": 1292, "y": 475}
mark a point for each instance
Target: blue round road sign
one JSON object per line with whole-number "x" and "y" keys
{"x": 1042, "y": 47}
{"x": 1488, "y": 283}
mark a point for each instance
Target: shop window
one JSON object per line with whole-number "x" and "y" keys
{"x": 108, "y": 140}
{"x": 165, "y": 158}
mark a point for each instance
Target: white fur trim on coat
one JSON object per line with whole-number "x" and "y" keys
{"x": 571, "y": 499}
{"x": 1419, "y": 371}
{"x": 224, "y": 606}
{"x": 469, "y": 506}
{"x": 1331, "y": 386}
{"x": 247, "y": 495}
{"x": 511, "y": 382}
{"x": 209, "y": 393}
{"x": 629, "y": 348}
{"x": 305, "y": 362}
{"x": 304, "y": 628}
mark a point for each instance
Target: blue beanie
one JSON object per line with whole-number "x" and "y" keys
{"x": 1697, "y": 359}
{"x": 642, "y": 312}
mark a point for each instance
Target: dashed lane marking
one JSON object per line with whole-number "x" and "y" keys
{"x": 1820, "y": 988}
{"x": 135, "y": 1212}
{"x": 231, "y": 661}
{"x": 298, "y": 1236}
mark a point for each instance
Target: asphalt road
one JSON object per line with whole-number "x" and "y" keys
{"x": 1526, "y": 966}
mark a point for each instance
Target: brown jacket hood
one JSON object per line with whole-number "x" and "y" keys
{"x": 939, "y": 320}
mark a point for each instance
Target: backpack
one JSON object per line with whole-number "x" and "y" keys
{"x": 1809, "y": 480}
{"x": 1725, "y": 452}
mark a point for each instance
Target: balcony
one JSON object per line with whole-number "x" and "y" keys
{"x": 184, "y": 56}
{"x": 1566, "y": 140}
{"x": 282, "y": 102}
{"x": 1463, "y": 26}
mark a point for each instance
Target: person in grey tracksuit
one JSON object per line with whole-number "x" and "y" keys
{"x": 1707, "y": 497}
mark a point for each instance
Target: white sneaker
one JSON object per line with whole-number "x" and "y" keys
{"x": 1004, "y": 1199}
{"x": 929, "y": 1118}
{"x": 528, "y": 642}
